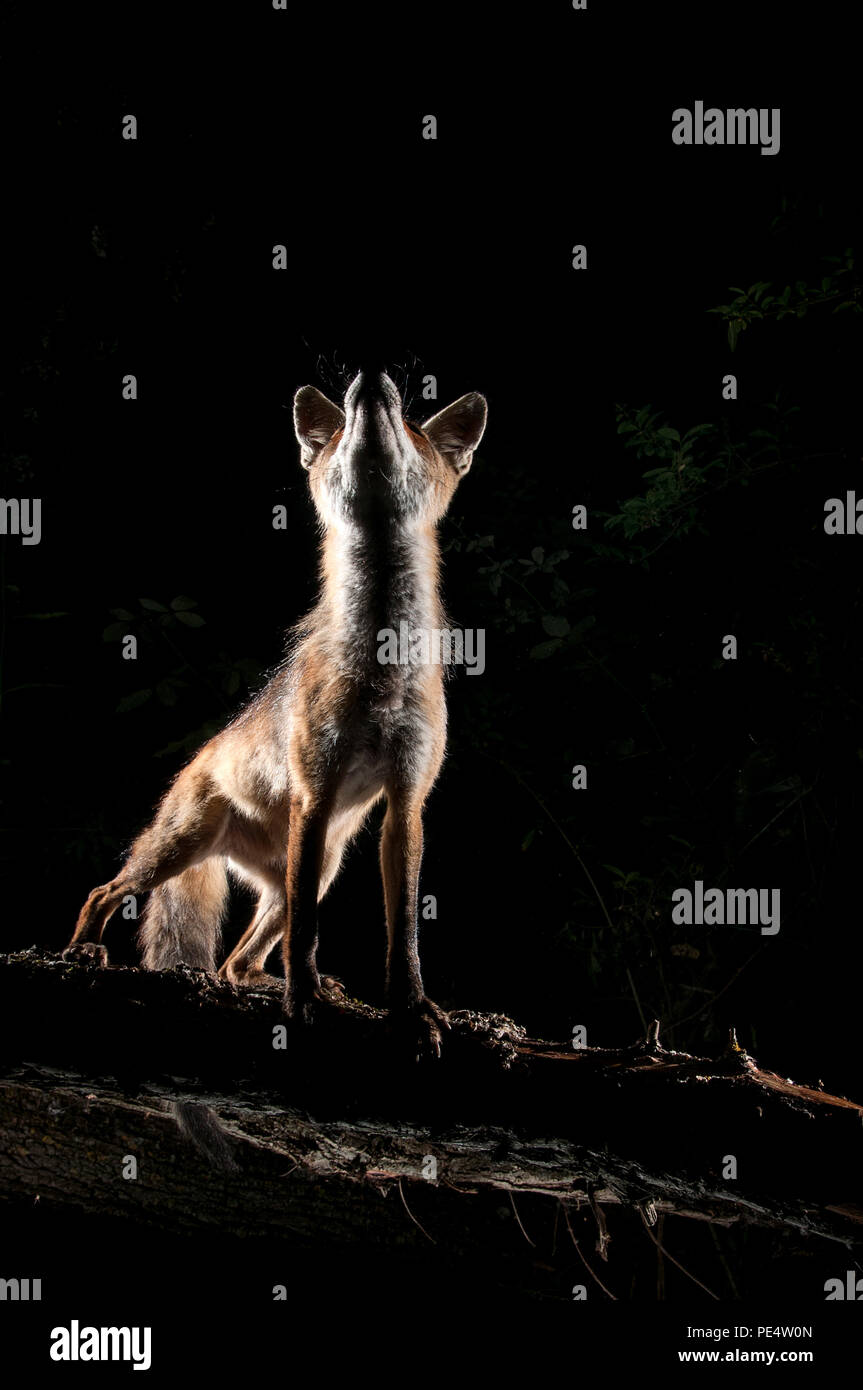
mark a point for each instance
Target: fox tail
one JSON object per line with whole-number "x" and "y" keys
{"x": 182, "y": 922}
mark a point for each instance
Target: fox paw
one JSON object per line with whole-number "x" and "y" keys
{"x": 251, "y": 979}
{"x": 308, "y": 1009}
{"x": 422, "y": 1025}
{"x": 87, "y": 953}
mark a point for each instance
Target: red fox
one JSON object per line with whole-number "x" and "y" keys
{"x": 277, "y": 796}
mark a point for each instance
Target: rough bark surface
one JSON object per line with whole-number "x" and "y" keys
{"x": 342, "y": 1135}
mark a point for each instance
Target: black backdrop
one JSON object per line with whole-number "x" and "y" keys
{"x": 452, "y": 258}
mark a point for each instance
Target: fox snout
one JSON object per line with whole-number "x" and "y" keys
{"x": 372, "y": 385}
{"x": 373, "y": 430}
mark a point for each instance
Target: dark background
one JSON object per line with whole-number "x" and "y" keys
{"x": 453, "y": 258}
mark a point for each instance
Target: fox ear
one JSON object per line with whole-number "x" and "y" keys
{"x": 315, "y": 422}
{"x": 456, "y": 431}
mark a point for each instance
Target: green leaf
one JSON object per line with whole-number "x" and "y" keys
{"x": 133, "y": 701}
{"x": 545, "y": 649}
{"x": 122, "y": 613}
{"x": 667, "y": 433}
{"x": 555, "y": 625}
{"x": 190, "y": 742}
{"x": 152, "y": 606}
{"x": 165, "y": 693}
{"x": 191, "y": 619}
{"x": 182, "y": 603}
{"x": 537, "y": 555}
{"x": 115, "y": 632}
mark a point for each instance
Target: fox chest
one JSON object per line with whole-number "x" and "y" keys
{"x": 384, "y": 746}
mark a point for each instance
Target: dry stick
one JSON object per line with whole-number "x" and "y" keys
{"x": 660, "y": 1266}
{"x": 599, "y": 1218}
{"x": 702, "y": 1007}
{"x": 558, "y": 827}
{"x": 518, "y": 1219}
{"x": 412, "y": 1217}
{"x": 722, "y": 1260}
{"x": 593, "y": 1276}
{"x": 780, "y": 812}
{"x": 670, "y": 1257}
{"x": 554, "y": 1232}
{"x": 568, "y": 842}
{"x": 637, "y": 1000}
{"x": 808, "y": 850}
{"x": 462, "y": 1191}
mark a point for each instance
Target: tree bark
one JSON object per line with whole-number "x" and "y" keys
{"x": 341, "y": 1135}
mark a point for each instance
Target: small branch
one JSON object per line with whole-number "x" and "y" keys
{"x": 518, "y": 1219}
{"x": 412, "y": 1217}
{"x": 593, "y": 1276}
{"x": 661, "y": 1248}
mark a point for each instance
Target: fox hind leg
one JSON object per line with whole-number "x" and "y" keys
{"x": 185, "y": 831}
{"x": 245, "y": 965}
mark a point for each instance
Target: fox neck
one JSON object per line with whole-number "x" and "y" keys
{"x": 377, "y": 578}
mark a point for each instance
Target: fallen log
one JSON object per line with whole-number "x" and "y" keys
{"x": 338, "y": 1133}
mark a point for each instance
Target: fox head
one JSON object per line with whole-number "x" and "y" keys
{"x": 368, "y": 464}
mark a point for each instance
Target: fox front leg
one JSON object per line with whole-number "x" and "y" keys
{"x": 401, "y": 855}
{"x": 306, "y": 993}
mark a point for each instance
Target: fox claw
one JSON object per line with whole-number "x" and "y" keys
{"x": 251, "y": 979}
{"x": 424, "y": 1025}
{"x": 307, "y": 1011}
{"x": 87, "y": 953}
